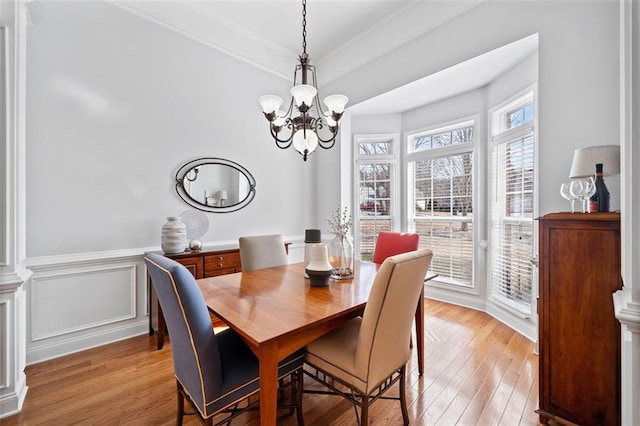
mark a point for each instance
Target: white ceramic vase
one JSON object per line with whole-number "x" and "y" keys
{"x": 174, "y": 235}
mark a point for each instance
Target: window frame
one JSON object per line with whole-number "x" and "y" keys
{"x": 393, "y": 159}
{"x": 500, "y": 134}
{"x": 408, "y": 190}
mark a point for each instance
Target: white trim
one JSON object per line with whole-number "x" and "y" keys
{"x": 441, "y": 127}
{"x": 394, "y": 177}
{"x": 4, "y": 142}
{"x": 100, "y": 337}
{"x": 408, "y": 190}
{"x": 498, "y": 135}
{"x": 627, "y": 300}
{"x": 497, "y": 113}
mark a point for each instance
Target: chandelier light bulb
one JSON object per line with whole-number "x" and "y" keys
{"x": 305, "y": 140}
{"x": 270, "y": 103}
{"x": 303, "y": 93}
{"x": 280, "y": 118}
{"x": 336, "y": 103}
{"x": 330, "y": 121}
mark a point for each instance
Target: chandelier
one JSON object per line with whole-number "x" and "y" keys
{"x": 303, "y": 127}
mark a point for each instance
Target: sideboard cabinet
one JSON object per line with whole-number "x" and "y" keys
{"x": 579, "y": 336}
{"x": 202, "y": 264}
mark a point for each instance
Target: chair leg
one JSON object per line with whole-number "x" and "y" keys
{"x": 364, "y": 411}
{"x": 180, "y": 406}
{"x": 299, "y": 386}
{"x": 403, "y": 399}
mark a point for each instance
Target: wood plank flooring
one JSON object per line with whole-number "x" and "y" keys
{"x": 478, "y": 372}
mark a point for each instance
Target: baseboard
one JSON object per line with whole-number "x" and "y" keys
{"x": 11, "y": 402}
{"x": 60, "y": 348}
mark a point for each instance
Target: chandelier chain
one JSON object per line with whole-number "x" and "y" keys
{"x": 304, "y": 27}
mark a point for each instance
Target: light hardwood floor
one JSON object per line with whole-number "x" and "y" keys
{"x": 477, "y": 372}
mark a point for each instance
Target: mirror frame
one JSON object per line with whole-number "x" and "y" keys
{"x": 182, "y": 172}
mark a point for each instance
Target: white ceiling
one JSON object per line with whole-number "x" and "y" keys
{"x": 341, "y": 37}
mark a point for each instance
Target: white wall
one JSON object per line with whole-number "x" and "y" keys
{"x": 115, "y": 105}
{"x": 578, "y": 72}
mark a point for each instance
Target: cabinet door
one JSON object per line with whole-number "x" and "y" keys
{"x": 579, "y": 335}
{"x": 193, "y": 264}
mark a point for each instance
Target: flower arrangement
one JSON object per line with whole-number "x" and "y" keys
{"x": 341, "y": 248}
{"x": 339, "y": 225}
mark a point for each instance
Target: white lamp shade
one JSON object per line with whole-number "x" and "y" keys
{"x": 585, "y": 160}
{"x": 303, "y": 93}
{"x": 336, "y": 103}
{"x": 305, "y": 140}
{"x": 270, "y": 103}
{"x": 222, "y": 195}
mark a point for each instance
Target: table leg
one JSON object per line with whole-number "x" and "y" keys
{"x": 420, "y": 332}
{"x": 268, "y": 355}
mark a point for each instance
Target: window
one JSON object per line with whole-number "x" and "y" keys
{"x": 375, "y": 183}
{"x": 512, "y": 205}
{"x": 440, "y": 196}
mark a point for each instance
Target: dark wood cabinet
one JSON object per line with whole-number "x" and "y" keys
{"x": 579, "y": 336}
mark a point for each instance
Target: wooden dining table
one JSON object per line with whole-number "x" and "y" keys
{"x": 276, "y": 311}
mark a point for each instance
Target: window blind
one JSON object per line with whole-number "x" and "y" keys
{"x": 442, "y": 214}
{"x": 511, "y": 245}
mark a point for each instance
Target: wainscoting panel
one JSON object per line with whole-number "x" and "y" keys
{"x": 64, "y": 302}
{"x": 83, "y": 300}
{"x": 76, "y": 302}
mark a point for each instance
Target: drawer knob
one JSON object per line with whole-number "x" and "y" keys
{"x": 220, "y": 265}
{"x": 219, "y": 257}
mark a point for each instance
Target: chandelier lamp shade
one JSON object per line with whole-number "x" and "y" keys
{"x": 305, "y": 124}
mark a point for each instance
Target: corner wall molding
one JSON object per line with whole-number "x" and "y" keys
{"x": 626, "y": 310}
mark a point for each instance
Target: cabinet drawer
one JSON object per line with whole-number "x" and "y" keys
{"x": 216, "y": 272}
{"x": 222, "y": 263}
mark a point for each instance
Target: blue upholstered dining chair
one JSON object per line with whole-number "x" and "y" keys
{"x": 215, "y": 372}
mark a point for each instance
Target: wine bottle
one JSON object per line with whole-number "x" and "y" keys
{"x": 599, "y": 202}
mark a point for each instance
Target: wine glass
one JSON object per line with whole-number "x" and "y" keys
{"x": 589, "y": 190}
{"x": 565, "y": 191}
{"x": 576, "y": 188}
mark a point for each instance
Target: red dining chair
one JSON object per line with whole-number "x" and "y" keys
{"x": 392, "y": 243}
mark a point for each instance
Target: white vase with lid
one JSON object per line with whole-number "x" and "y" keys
{"x": 174, "y": 235}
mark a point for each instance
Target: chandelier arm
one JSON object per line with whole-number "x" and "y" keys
{"x": 289, "y": 110}
{"x": 321, "y": 111}
{"x": 325, "y": 143}
{"x": 283, "y": 143}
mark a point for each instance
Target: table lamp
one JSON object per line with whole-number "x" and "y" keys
{"x": 604, "y": 159}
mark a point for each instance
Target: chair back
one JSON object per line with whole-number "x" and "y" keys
{"x": 262, "y": 251}
{"x": 392, "y": 243}
{"x": 385, "y": 331}
{"x": 196, "y": 355}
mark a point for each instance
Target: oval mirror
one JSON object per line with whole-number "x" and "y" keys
{"x": 215, "y": 185}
